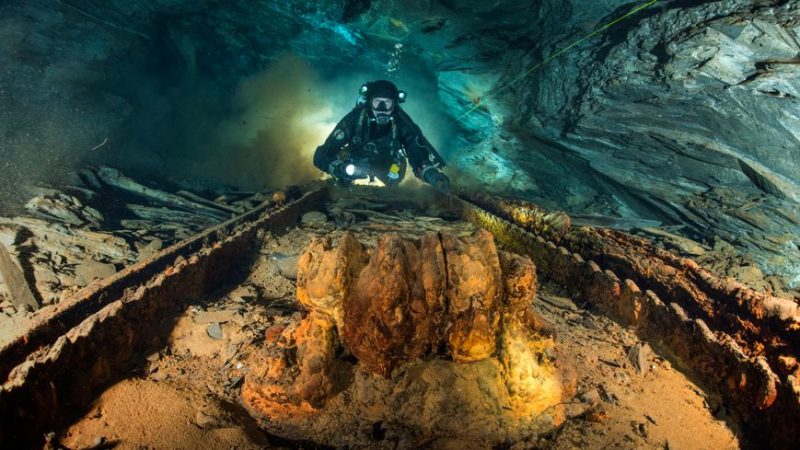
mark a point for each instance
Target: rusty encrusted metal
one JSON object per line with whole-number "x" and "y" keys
{"x": 551, "y": 225}
{"x": 763, "y": 325}
{"x": 762, "y": 392}
{"x": 79, "y": 349}
{"x": 735, "y": 341}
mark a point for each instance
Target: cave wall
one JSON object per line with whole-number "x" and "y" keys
{"x": 204, "y": 90}
{"x": 685, "y": 113}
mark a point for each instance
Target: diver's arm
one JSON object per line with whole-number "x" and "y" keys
{"x": 327, "y": 154}
{"x": 423, "y": 158}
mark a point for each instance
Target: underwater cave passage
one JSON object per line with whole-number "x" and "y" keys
{"x": 386, "y": 224}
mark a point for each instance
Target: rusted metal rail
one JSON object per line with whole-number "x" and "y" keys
{"x": 74, "y": 351}
{"x": 735, "y": 341}
{"x": 88, "y": 342}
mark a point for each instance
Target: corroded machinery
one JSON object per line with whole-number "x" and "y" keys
{"x": 737, "y": 342}
{"x": 419, "y": 318}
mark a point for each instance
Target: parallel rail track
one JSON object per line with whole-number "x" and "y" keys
{"x": 54, "y": 370}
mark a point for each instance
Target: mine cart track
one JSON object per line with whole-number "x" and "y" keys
{"x": 767, "y": 405}
{"x": 46, "y": 329}
{"x": 86, "y": 343}
{"x": 81, "y": 347}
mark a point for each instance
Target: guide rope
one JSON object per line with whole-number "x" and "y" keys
{"x": 557, "y": 54}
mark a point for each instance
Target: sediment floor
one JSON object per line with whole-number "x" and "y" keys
{"x": 187, "y": 393}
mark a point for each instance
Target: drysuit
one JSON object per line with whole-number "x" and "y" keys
{"x": 375, "y": 139}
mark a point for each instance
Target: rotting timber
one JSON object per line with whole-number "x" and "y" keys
{"x": 735, "y": 341}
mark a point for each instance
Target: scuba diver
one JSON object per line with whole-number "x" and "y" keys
{"x": 375, "y": 139}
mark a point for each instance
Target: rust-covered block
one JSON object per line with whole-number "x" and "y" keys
{"x": 520, "y": 283}
{"x": 702, "y": 356}
{"x": 542, "y": 256}
{"x": 670, "y": 325}
{"x": 767, "y": 387}
{"x": 409, "y": 298}
{"x": 733, "y": 350}
{"x": 325, "y": 273}
{"x": 578, "y": 259}
{"x": 630, "y": 302}
{"x": 575, "y": 277}
{"x": 387, "y": 315}
{"x": 652, "y": 300}
{"x": 592, "y": 286}
{"x": 678, "y": 312}
{"x": 705, "y": 332}
{"x": 475, "y": 293}
{"x": 560, "y": 270}
{"x": 651, "y": 306}
{"x": 715, "y": 327}
{"x": 315, "y": 351}
{"x": 440, "y": 302}
{"x": 609, "y": 289}
{"x": 656, "y": 323}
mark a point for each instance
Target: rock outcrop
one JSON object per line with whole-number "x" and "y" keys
{"x": 684, "y": 114}
{"x": 81, "y": 235}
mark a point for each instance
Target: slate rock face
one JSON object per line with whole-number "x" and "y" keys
{"x": 681, "y": 114}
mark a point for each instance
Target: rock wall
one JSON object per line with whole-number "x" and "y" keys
{"x": 685, "y": 113}
{"x": 155, "y": 87}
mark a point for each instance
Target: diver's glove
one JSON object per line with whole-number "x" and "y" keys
{"x": 437, "y": 179}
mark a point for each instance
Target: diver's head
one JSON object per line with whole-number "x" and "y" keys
{"x": 382, "y": 109}
{"x": 382, "y": 97}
